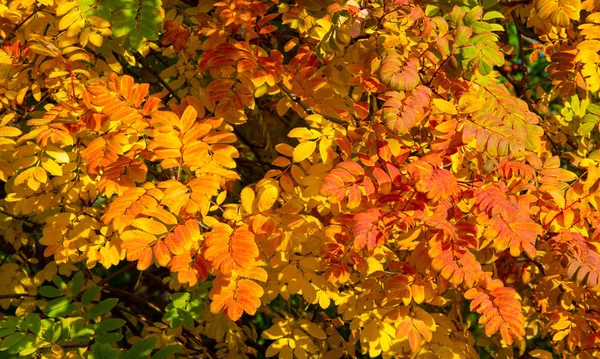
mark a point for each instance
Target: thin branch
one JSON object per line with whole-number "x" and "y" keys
{"x": 525, "y": 78}
{"x": 117, "y": 273}
{"x": 139, "y": 58}
{"x": 16, "y": 296}
{"x": 246, "y": 142}
{"x": 68, "y": 345}
{"x": 292, "y": 96}
{"x": 14, "y": 31}
{"x": 19, "y": 218}
{"x": 516, "y": 2}
{"x": 135, "y": 298}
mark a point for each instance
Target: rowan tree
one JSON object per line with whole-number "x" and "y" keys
{"x": 299, "y": 178}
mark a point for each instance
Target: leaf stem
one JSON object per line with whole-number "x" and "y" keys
{"x": 139, "y": 58}
{"x": 292, "y": 96}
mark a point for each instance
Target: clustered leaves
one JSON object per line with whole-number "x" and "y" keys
{"x": 336, "y": 179}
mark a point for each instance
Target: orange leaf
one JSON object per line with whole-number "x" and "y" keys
{"x": 161, "y": 252}
{"x": 149, "y": 225}
{"x": 135, "y": 242}
{"x": 187, "y": 119}
{"x": 403, "y": 328}
{"x": 230, "y": 250}
{"x": 145, "y": 259}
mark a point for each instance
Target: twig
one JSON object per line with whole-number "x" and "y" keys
{"x": 19, "y": 218}
{"x": 517, "y": 2}
{"x": 14, "y": 31}
{"x": 83, "y": 344}
{"x": 246, "y": 142}
{"x": 524, "y": 79}
{"x": 135, "y": 298}
{"x": 117, "y": 273}
{"x": 139, "y": 58}
{"x": 16, "y": 296}
{"x": 292, "y": 96}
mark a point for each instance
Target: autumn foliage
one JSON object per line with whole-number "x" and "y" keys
{"x": 299, "y": 178}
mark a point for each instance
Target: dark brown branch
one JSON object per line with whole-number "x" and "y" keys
{"x": 246, "y": 142}
{"x": 132, "y": 297}
{"x": 516, "y": 2}
{"x": 139, "y": 58}
{"x": 14, "y": 31}
{"x": 525, "y": 78}
{"x": 19, "y": 218}
{"x": 117, "y": 273}
{"x": 292, "y": 96}
{"x": 16, "y": 296}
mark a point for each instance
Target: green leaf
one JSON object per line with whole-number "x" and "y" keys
{"x": 30, "y": 350}
{"x": 109, "y": 325}
{"x": 480, "y": 27}
{"x": 585, "y": 128}
{"x": 490, "y": 15}
{"x": 59, "y": 307}
{"x": 84, "y": 332}
{"x": 34, "y": 323}
{"x": 8, "y": 326}
{"x": 486, "y": 4}
{"x": 77, "y": 283}
{"x": 463, "y": 33}
{"x": 11, "y": 340}
{"x": 59, "y": 282}
{"x": 90, "y": 294}
{"x": 24, "y": 345}
{"x": 593, "y": 108}
{"x": 180, "y": 299}
{"x": 102, "y": 307}
{"x": 167, "y": 351}
{"x": 473, "y": 15}
{"x": 142, "y": 348}
{"x": 57, "y": 331}
{"x": 50, "y": 291}
{"x": 109, "y": 338}
{"x": 591, "y": 118}
{"x": 102, "y": 351}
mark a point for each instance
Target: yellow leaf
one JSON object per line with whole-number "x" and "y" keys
{"x": 283, "y": 106}
{"x": 52, "y": 167}
{"x": 562, "y": 324}
{"x": 290, "y": 44}
{"x": 96, "y": 39}
{"x": 470, "y": 103}
{"x": 21, "y": 95}
{"x": 560, "y": 335}
{"x": 313, "y": 329}
{"x": 98, "y": 22}
{"x": 9, "y": 131}
{"x": 444, "y": 106}
{"x": 418, "y": 293}
{"x": 267, "y": 196}
{"x": 303, "y": 132}
{"x": 58, "y": 154}
{"x": 149, "y": 225}
{"x": 278, "y": 330}
{"x": 65, "y": 7}
{"x": 248, "y": 196}
{"x": 188, "y": 118}
{"x": 36, "y": 91}
{"x": 23, "y": 176}
{"x": 286, "y": 353}
{"x": 68, "y": 20}
{"x": 539, "y": 353}
{"x": 40, "y": 175}
{"x": 303, "y": 151}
